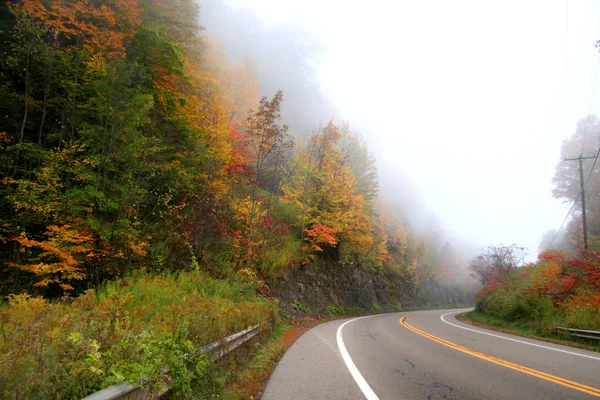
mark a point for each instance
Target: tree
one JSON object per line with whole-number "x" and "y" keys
{"x": 363, "y": 165}
{"x": 495, "y": 262}
{"x": 325, "y": 189}
{"x": 268, "y": 145}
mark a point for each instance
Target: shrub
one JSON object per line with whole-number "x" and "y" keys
{"x": 556, "y": 291}
{"x": 126, "y": 331}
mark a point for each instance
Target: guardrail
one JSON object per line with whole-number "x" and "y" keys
{"x": 220, "y": 348}
{"x": 581, "y": 333}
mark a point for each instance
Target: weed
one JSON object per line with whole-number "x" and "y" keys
{"x": 296, "y": 305}
{"x": 123, "y": 332}
{"x": 335, "y": 310}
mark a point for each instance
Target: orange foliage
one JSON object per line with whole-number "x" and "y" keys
{"x": 320, "y": 235}
{"x": 59, "y": 257}
{"x": 97, "y": 26}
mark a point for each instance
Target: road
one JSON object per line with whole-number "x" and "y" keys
{"x": 429, "y": 355}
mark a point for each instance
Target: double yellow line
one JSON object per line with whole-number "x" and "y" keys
{"x": 529, "y": 371}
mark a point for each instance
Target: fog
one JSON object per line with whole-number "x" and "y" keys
{"x": 464, "y": 103}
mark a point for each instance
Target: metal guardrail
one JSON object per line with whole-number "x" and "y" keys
{"x": 581, "y": 333}
{"x": 219, "y": 349}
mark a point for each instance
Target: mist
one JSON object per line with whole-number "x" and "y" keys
{"x": 464, "y": 104}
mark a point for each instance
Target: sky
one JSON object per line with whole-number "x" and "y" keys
{"x": 470, "y": 100}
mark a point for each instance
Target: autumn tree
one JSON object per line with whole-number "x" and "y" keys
{"x": 324, "y": 188}
{"x": 268, "y": 145}
{"x": 494, "y": 262}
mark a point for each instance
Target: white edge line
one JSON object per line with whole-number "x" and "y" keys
{"x": 360, "y": 380}
{"x": 516, "y": 340}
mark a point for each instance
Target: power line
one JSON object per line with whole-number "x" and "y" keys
{"x": 563, "y": 223}
{"x": 591, "y": 102}
{"x": 592, "y": 87}
{"x": 582, "y": 185}
{"x": 566, "y": 68}
{"x": 567, "y": 112}
{"x": 576, "y": 199}
{"x": 593, "y": 165}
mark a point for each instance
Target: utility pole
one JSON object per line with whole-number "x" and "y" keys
{"x": 582, "y": 183}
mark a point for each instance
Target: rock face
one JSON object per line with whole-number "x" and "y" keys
{"x": 321, "y": 284}
{"x": 317, "y": 287}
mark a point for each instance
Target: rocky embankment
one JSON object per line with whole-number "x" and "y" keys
{"x": 323, "y": 286}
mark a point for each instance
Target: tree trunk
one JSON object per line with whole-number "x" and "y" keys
{"x": 21, "y": 133}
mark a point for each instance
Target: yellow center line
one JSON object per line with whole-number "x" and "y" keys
{"x": 529, "y": 371}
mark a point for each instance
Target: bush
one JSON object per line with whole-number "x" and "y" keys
{"x": 126, "y": 331}
{"x": 556, "y": 291}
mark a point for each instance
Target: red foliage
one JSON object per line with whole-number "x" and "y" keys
{"x": 277, "y": 227}
{"x": 564, "y": 279}
{"x": 239, "y": 159}
{"x": 552, "y": 256}
{"x": 321, "y": 235}
{"x": 490, "y": 287}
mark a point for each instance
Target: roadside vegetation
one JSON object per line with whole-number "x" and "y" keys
{"x": 562, "y": 288}
{"x": 557, "y": 290}
{"x": 127, "y": 330}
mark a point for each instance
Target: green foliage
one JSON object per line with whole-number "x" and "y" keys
{"x": 130, "y": 330}
{"x": 296, "y": 305}
{"x": 117, "y": 127}
{"x": 263, "y": 360}
{"x": 277, "y": 259}
{"x": 337, "y": 310}
{"x": 557, "y": 291}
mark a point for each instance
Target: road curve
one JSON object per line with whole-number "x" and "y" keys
{"x": 429, "y": 355}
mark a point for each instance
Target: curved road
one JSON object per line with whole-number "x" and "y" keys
{"x": 429, "y": 355}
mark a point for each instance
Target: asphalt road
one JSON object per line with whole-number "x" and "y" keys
{"x": 429, "y": 358}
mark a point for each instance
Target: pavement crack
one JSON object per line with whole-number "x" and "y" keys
{"x": 366, "y": 333}
{"x": 441, "y": 385}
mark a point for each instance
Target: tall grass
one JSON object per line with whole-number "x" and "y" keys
{"x": 127, "y": 330}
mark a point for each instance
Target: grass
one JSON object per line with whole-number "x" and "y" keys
{"x": 515, "y": 326}
{"x": 249, "y": 382}
{"x": 340, "y": 311}
{"x": 524, "y": 328}
{"x": 128, "y": 330}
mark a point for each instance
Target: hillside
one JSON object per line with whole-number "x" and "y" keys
{"x": 151, "y": 193}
